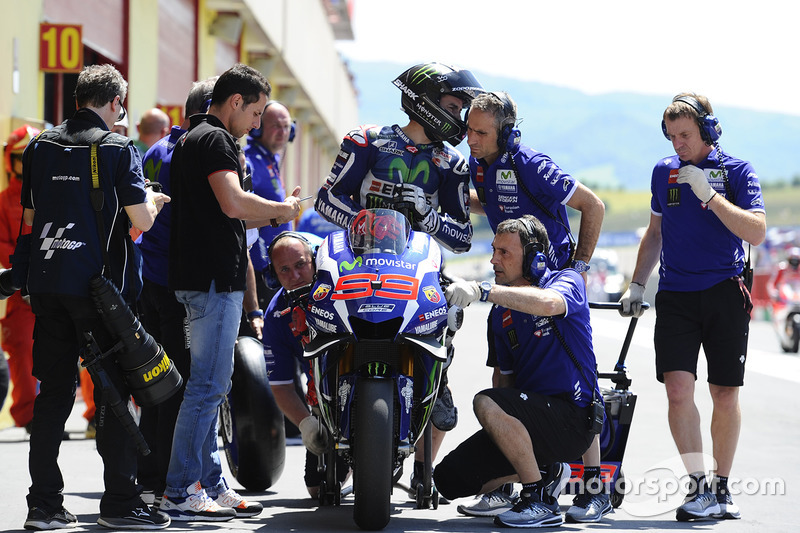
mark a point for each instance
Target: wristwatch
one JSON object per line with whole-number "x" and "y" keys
{"x": 581, "y": 266}
{"x": 485, "y": 287}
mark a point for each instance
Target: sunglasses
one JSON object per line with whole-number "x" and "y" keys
{"x": 122, "y": 112}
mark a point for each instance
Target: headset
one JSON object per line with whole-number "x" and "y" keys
{"x": 710, "y": 128}
{"x": 257, "y": 132}
{"x": 509, "y": 135}
{"x": 534, "y": 262}
{"x": 270, "y": 276}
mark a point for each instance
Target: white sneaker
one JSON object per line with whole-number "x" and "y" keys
{"x": 195, "y": 506}
{"x": 231, "y": 499}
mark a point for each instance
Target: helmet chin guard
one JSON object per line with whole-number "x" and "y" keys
{"x": 423, "y": 87}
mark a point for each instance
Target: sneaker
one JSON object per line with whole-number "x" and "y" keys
{"x": 39, "y": 520}
{"x": 142, "y": 517}
{"x": 445, "y": 413}
{"x": 195, "y": 506}
{"x": 530, "y": 511}
{"x": 492, "y": 503}
{"x": 555, "y": 478}
{"x": 229, "y": 498}
{"x": 727, "y": 509}
{"x": 701, "y": 505}
{"x": 587, "y": 507}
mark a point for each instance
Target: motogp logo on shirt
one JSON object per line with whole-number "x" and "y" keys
{"x": 50, "y": 244}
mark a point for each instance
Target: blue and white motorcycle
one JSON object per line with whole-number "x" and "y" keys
{"x": 377, "y": 334}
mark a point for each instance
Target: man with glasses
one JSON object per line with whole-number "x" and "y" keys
{"x": 67, "y": 248}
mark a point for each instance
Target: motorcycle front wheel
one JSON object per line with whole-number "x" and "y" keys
{"x": 373, "y": 452}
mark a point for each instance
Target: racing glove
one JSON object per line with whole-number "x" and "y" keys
{"x": 696, "y": 179}
{"x": 315, "y": 439}
{"x": 632, "y": 301}
{"x": 462, "y": 293}
{"x": 425, "y": 217}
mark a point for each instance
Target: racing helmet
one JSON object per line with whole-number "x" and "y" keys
{"x": 16, "y": 143}
{"x": 794, "y": 257}
{"x": 423, "y": 86}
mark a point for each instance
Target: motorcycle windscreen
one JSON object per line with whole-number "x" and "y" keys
{"x": 379, "y": 231}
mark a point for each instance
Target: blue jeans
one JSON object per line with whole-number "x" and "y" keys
{"x": 213, "y": 327}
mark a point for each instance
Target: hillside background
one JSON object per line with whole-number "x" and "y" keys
{"x": 609, "y": 141}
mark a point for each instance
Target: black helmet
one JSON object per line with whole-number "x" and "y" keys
{"x": 794, "y": 257}
{"x": 423, "y": 86}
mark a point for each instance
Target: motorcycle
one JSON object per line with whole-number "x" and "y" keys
{"x": 378, "y": 329}
{"x": 786, "y": 313}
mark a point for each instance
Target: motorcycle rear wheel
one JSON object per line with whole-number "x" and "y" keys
{"x": 372, "y": 452}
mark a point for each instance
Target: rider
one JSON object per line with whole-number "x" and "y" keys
{"x": 787, "y": 270}
{"x": 787, "y": 273}
{"x": 376, "y": 165}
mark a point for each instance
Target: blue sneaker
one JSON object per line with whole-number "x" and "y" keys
{"x": 531, "y": 511}
{"x": 701, "y": 505}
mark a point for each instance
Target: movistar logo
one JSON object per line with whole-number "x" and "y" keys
{"x": 350, "y": 266}
{"x": 422, "y": 168}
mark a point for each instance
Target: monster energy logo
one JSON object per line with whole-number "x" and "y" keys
{"x": 350, "y": 266}
{"x": 410, "y": 175}
{"x": 422, "y": 74}
{"x": 377, "y": 368}
{"x": 673, "y": 196}
{"x": 446, "y": 127}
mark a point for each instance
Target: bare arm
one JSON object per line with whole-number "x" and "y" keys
{"x": 649, "y": 251}
{"x": 529, "y": 299}
{"x": 143, "y": 215}
{"x": 251, "y": 300}
{"x": 747, "y": 225}
{"x": 290, "y": 403}
{"x": 475, "y": 204}
{"x": 236, "y": 203}
{"x": 592, "y": 211}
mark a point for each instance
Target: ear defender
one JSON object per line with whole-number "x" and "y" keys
{"x": 270, "y": 276}
{"x": 534, "y": 262}
{"x": 710, "y": 128}
{"x": 508, "y": 136}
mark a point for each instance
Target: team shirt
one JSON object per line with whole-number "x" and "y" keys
{"x": 502, "y": 196}
{"x": 527, "y": 347}
{"x": 697, "y": 250}
{"x": 155, "y": 242}
{"x": 265, "y": 171}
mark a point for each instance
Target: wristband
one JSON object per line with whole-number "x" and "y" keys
{"x": 258, "y": 313}
{"x": 637, "y": 283}
{"x": 712, "y": 197}
{"x": 273, "y": 222}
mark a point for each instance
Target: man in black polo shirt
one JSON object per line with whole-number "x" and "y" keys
{"x": 208, "y": 262}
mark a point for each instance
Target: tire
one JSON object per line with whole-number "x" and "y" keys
{"x": 252, "y": 424}
{"x": 796, "y": 335}
{"x": 372, "y": 452}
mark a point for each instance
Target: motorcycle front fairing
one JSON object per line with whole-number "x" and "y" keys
{"x": 378, "y": 314}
